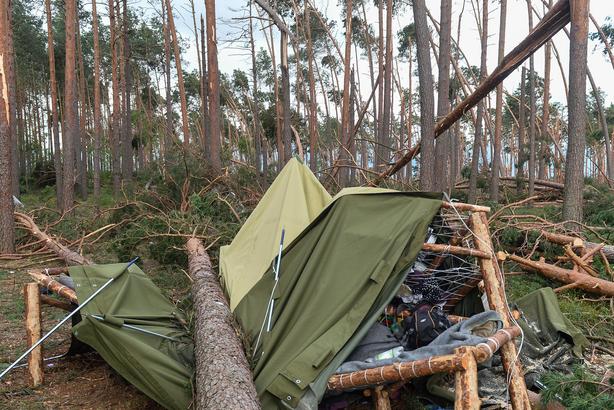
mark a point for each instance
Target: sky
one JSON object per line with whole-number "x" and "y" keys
{"x": 234, "y": 54}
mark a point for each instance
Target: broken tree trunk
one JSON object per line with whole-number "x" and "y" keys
{"x": 54, "y": 286}
{"x": 33, "y": 332}
{"x": 223, "y": 376}
{"x": 580, "y": 280}
{"x": 575, "y": 242}
{"x": 496, "y": 300}
{"x": 71, "y": 257}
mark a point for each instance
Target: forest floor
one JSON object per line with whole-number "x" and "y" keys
{"x": 86, "y": 381}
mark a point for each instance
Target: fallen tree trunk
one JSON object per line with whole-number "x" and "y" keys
{"x": 71, "y": 257}
{"x": 579, "y": 280}
{"x": 54, "y": 286}
{"x": 223, "y": 376}
{"x": 538, "y": 182}
{"x": 575, "y": 242}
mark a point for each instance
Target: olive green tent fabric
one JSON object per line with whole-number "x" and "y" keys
{"x": 335, "y": 279}
{"x": 294, "y": 199}
{"x": 160, "y": 368}
{"x": 545, "y": 323}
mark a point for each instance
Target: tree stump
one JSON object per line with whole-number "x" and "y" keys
{"x": 223, "y": 377}
{"x": 33, "y": 332}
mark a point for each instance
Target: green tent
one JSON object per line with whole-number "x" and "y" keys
{"x": 336, "y": 277}
{"x": 293, "y": 200}
{"x": 159, "y": 364}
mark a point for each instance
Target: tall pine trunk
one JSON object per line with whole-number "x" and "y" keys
{"x": 71, "y": 116}
{"x": 97, "y": 115}
{"x": 425, "y": 77}
{"x": 57, "y": 153}
{"x": 576, "y": 111}
{"x": 532, "y": 112}
{"x": 213, "y": 88}
{"x": 443, "y": 143}
{"x": 115, "y": 116}
{"x": 127, "y": 154}
{"x": 496, "y": 155}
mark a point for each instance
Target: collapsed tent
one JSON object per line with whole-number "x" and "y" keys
{"x": 335, "y": 278}
{"x": 293, "y": 200}
{"x": 137, "y": 331}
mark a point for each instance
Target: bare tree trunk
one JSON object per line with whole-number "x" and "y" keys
{"x": 7, "y": 226}
{"x": 81, "y": 142}
{"x": 71, "y": 116}
{"x": 425, "y": 77}
{"x": 97, "y": 119}
{"x": 604, "y": 127}
{"x": 521, "y": 133}
{"x": 532, "y": 112}
{"x": 574, "y": 163}
{"x": 313, "y": 110}
{"x": 346, "y": 127}
{"x": 205, "y": 95}
{"x": 182, "y": 97}
{"x": 496, "y": 156}
{"x": 473, "y": 179}
{"x": 545, "y": 128}
{"x": 57, "y": 153}
{"x": 169, "y": 134}
{"x": 127, "y": 161}
{"x": 115, "y": 116}
{"x": 442, "y": 173}
{"x": 255, "y": 107}
{"x": 223, "y": 376}
{"x": 213, "y": 87}
{"x": 380, "y": 147}
{"x": 285, "y": 95}
{"x": 386, "y": 118}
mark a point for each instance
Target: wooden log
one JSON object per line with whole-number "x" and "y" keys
{"x": 495, "y": 292}
{"x": 454, "y": 250}
{"x": 54, "y": 286}
{"x": 461, "y": 206}
{"x": 538, "y": 182}
{"x": 580, "y": 262}
{"x": 583, "y": 281}
{"x": 466, "y": 382}
{"x": 404, "y": 371}
{"x": 381, "y": 400}
{"x": 57, "y": 303}
{"x": 71, "y": 257}
{"x": 223, "y": 376}
{"x": 561, "y": 239}
{"x": 33, "y": 332}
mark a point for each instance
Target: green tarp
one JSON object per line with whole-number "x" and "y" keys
{"x": 293, "y": 200}
{"x": 335, "y": 279}
{"x": 160, "y": 368}
{"x": 546, "y": 323}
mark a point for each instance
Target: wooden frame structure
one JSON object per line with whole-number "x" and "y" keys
{"x": 475, "y": 237}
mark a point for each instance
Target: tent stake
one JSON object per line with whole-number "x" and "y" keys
{"x": 56, "y": 327}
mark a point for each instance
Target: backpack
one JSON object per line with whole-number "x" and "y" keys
{"x": 423, "y": 326}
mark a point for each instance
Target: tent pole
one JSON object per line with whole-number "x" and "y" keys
{"x": 56, "y": 327}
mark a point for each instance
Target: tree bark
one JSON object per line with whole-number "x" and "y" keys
{"x": 213, "y": 88}
{"x": 603, "y": 122}
{"x": 285, "y": 95}
{"x": 574, "y": 163}
{"x": 182, "y": 97}
{"x": 477, "y": 140}
{"x": 57, "y": 152}
{"x": 97, "y": 113}
{"x": 443, "y": 143}
{"x": 33, "y": 332}
{"x": 81, "y": 142}
{"x": 496, "y": 155}
{"x": 71, "y": 117}
{"x": 425, "y": 77}
{"x": 169, "y": 137}
{"x": 223, "y": 376}
{"x": 521, "y": 134}
{"x": 114, "y": 135}
{"x": 313, "y": 109}
{"x": 545, "y": 127}
{"x": 7, "y": 229}
{"x": 255, "y": 107}
{"x": 532, "y": 112}
{"x": 346, "y": 127}
{"x": 127, "y": 155}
